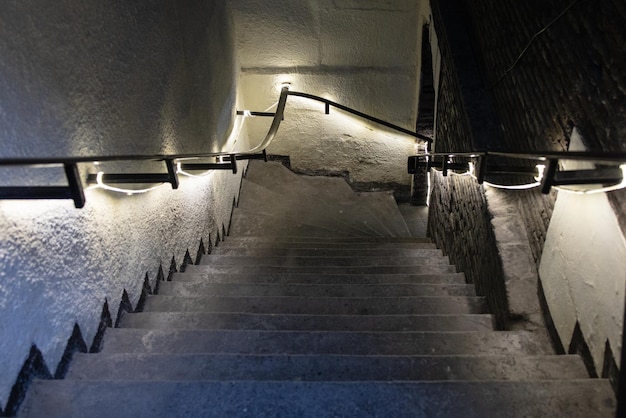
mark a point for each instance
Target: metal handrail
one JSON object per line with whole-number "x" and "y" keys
{"x": 228, "y": 159}
{"x": 355, "y": 112}
{"x": 588, "y": 156}
{"x": 74, "y": 189}
{"x": 550, "y": 175}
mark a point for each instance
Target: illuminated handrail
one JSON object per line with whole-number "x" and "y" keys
{"x": 174, "y": 163}
{"x": 546, "y": 175}
{"x": 328, "y": 103}
{"x": 74, "y": 189}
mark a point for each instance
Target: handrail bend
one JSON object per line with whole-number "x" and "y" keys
{"x": 355, "y": 112}
{"x": 227, "y": 159}
{"x": 74, "y": 189}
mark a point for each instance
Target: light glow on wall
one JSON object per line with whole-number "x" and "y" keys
{"x": 129, "y": 192}
{"x": 179, "y": 170}
{"x": 614, "y": 187}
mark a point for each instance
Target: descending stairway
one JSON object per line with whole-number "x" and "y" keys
{"x": 319, "y": 304}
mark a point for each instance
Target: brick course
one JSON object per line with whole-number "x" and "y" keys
{"x": 459, "y": 223}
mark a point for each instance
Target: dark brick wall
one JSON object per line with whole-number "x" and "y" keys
{"x": 468, "y": 122}
{"x": 571, "y": 75}
{"x": 460, "y": 224}
{"x": 459, "y": 221}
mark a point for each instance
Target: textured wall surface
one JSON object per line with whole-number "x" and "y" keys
{"x": 363, "y": 54}
{"x": 459, "y": 223}
{"x": 100, "y": 78}
{"x": 113, "y": 78}
{"x": 570, "y": 76}
{"x": 583, "y": 272}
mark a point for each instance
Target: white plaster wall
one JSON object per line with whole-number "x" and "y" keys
{"x": 124, "y": 77}
{"x": 583, "y": 272}
{"x": 362, "y": 54}
{"x": 583, "y": 269}
{"x": 94, "y": 78}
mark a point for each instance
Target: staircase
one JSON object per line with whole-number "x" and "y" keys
{"x": 319, "y": 304}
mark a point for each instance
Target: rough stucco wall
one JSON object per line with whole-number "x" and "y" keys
{"x": 362, "y": 54}
{"x": 95, "y": 78}
{"x": 583, "y": 272}
{"x": 112, "y": 78}
{"x": 583, "y": 268}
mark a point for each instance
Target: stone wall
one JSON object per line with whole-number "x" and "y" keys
{"x": 459, "y": 222}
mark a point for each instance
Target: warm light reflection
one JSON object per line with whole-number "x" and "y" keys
{"x": 618, "y": 186}
{"x": 282, "y": 82}
{"x": 179, "y": 170}
{"x": 537, "y": 183}
{"x": 129, "y": 192}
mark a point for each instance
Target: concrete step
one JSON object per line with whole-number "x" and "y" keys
{"x": 333, "y": 195}
{"x": 325, "y": 252}
{"x": 336, "y": 213}
{"x": 185, "y": 367}
{"x": 120, "y": 340}
{"x": 132, "y": 399}
{"x": 378, "y": 269}
{"x": 330, "y": 240}
{"x": 327, "y": 245}
{"x": 276, "y": 177}
{"x": 312, "y": 261}
{"x": 193, "y": 289}
{"x": 321, "y": 305}
{"x": 385, "y": 207}
{"x": 241, "y": 321}
{"x": 314, "y": 278}
{"x": 416, "y": 218}
{"x": 249, "y": 223}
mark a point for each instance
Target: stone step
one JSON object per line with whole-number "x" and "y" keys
{"x": 331, "y": 240}
{"x": 416, "y": 218}
{"x": 313, "y": 278}
{"x": 321, "y": 305}
{"x": 237, "y": 260}
{"x": 241, "y": 321}
{"x": 325, "y": 252}
{"x": 122, "y": 340}
{"x": 341, "y": 214}
{"x": 385, "y": 207}
{"x": 248, "y": 223}
{"x": 185, "y": 367}
{"x": 192, "y": 289}
{"x": 365, "y": 244}
{"x": 331, "y": 195}
{"x": 131, "y": 399}
{"x": 278, "y": 178}
{"x": 320, "y": 270}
